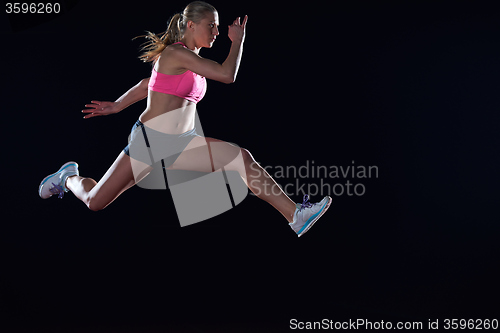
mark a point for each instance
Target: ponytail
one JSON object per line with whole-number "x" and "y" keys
{"x": 194, "y": 11}
{"x": 156, "y": 44}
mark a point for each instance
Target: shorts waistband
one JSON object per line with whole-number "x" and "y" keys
{"x": 138, "y": 123}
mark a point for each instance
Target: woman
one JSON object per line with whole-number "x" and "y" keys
{"x": 177, "y": 83}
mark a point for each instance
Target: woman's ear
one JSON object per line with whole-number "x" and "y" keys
{"x": 190, "y": 25}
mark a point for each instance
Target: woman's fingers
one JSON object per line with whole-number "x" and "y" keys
{"x": 90, "y": 115}
{"x": 97, "y": 108}
{"x": 95, "y": 104}
{"x": 92, "y": 111}
{"x": 238, "y": 23}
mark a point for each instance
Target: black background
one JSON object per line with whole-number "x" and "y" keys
{"x": 411, "y": 88}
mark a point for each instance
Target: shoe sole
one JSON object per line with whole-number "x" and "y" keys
{"x": 327, "y": 205}
{"x": 60, "y": 169}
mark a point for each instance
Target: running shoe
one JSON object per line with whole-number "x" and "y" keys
{"x": 306, "y": 214}
{"x": 54, "y": 184}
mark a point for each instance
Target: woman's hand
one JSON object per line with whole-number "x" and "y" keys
{"x": 98, "y": 108}
{"x": 237, "y": 30}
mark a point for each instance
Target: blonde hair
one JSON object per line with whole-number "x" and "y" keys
{"x": 195, "y": 11}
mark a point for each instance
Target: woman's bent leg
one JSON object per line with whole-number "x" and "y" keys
{"x": 208, "y": 154}
{"x": 98, "y": 195}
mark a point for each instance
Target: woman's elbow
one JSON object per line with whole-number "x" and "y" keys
{"x": 229, "y": 79}
{"x": 144, "y": 83}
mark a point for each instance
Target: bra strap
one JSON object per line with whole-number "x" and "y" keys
{"x": 180, "y": 43}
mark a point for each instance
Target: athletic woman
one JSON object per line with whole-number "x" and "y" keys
{"x": 176, "y": 85}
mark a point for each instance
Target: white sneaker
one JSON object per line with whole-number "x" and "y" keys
{"x": 55, "y": 183}
{"x": 306, "y": 214}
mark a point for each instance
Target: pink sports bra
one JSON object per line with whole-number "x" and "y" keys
{"x": 188, "y": 85}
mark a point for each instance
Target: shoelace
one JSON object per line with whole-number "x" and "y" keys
{"x": 305, "y": 203}
{"x": 57, "y": 190}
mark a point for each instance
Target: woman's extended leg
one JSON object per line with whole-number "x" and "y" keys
{"x": 98, "y": 195}
{"x": 208, "y": 154}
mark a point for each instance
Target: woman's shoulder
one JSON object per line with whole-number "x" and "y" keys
{"x": 179, "y": 54}
{"x": 175, "y": 50}
{"x": 173, "y": 57}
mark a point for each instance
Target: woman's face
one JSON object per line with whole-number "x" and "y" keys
{"x": 206, "y": 30}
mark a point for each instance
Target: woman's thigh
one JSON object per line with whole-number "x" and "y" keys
{"x": 208, "y": 155}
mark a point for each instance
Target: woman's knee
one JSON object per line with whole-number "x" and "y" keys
{"x": 247, "y": 156}
{"x": 95, "y": 205}
{"x": 249, "y": 161}
{"x": 96, "y": 201}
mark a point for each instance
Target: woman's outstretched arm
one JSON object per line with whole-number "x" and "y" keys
{"x": 134, "y": 94}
